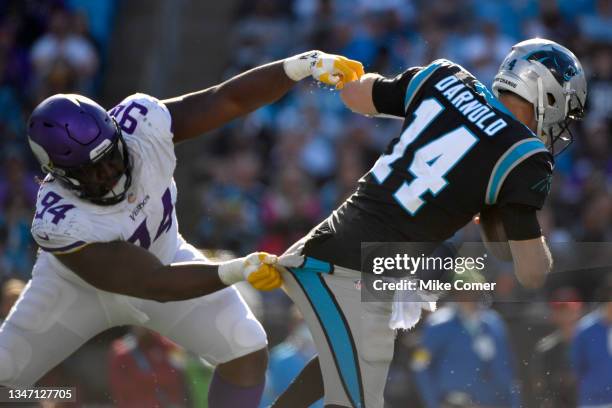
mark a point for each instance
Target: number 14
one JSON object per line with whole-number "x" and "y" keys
{"x": 430, "y": 163}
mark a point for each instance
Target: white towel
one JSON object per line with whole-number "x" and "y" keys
{"x": 408, "y": 306}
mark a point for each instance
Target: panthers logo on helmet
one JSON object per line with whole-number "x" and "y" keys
{"x": 561, "y": 66}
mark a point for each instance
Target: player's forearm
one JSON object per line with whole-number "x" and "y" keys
{"x": 532, "y": 261}
{"x": 162, "y": 283}
{"x": 202, "y": 111}
{"x": 257, "y": 87}
{"x": 198, "y": 112}
{"x": 180, "y": 282}
{"x": 494, "y": 245}
{"x": 357, "y": 95}
{"x": 185, "y": 280}
{"x": 127, "y": 269}
{"x": 493, "y": 234}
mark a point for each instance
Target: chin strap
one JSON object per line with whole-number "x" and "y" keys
{"x": 540, "y": 108}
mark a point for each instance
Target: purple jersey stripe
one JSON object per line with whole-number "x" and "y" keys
{"x": 64, "y": 248}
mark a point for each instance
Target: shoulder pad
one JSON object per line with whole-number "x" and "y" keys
{"x": 443, "y": 62}
{"x": 142, "y": 113}
{"x": 58, "y": 225}
{"x": 146, "y": 124}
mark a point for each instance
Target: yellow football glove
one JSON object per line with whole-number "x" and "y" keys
{"x": 330, "y": 69}
{"x": 260, "y": 271}
{"x": 256, "y": 268}
{"x": 336, "y": 70}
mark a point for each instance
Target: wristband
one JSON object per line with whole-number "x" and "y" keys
{"x": 300, "y": 66}
{"x": 230, "y": 272}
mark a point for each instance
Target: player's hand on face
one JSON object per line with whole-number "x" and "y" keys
{"x": 260, "y": 272}
{"x": 336, "y": 70}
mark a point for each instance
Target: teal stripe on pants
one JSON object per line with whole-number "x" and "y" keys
{"x": 333, "y": 324}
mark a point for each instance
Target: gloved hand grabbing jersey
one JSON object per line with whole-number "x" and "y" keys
{"x": 328, "y": 68}
{"x": 256, "y": 268}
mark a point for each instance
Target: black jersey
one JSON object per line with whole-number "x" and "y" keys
{"x": 459, "y": 151}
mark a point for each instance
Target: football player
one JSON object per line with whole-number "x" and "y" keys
{"x": 463, "y": 150}
{"x": 111, "y": 253}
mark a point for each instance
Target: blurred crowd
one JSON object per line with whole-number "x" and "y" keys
{"x": 46, "y": 47}
{"x": 273, "y": 175}
{"x": 308, "y": 150}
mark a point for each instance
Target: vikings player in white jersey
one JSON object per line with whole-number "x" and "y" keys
{"x": 111, "y": 253}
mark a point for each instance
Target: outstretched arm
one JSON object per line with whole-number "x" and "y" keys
{"x": 199, "y": 112}
{"x": 124, "y": 268}
{"x": 202, "y": 111}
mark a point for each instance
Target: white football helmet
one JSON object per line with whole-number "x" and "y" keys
{"x": 550, "y": 77}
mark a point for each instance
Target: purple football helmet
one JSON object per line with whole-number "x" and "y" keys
{"x": 80, "y": 144}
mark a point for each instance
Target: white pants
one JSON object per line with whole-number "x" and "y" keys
{"x": 353, "y": 338}
{"x": 56, "y": 314}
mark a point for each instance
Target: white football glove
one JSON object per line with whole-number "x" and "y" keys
{"x": 256, "y": 268}
{"x": 327, "y": 68}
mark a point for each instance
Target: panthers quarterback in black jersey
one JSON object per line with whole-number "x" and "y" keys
{"x": 463, "y": 150}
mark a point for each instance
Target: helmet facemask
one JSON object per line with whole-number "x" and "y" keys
{"x": 105, "y": 180}
{"x": 558, "y": 135}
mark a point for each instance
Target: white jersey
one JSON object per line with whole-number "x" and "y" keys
{"x": 58, "y": 312}
{"x": 64, "y": 223}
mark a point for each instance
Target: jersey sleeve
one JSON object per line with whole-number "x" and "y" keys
{"x": 58, "y": 226}
{"x": 146, "y": 121}
{"x": 528, "y": 183}
{"x": 146, "y": 114}
{"x": 388, "y": 94}
{"x": 520, "y": 222}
